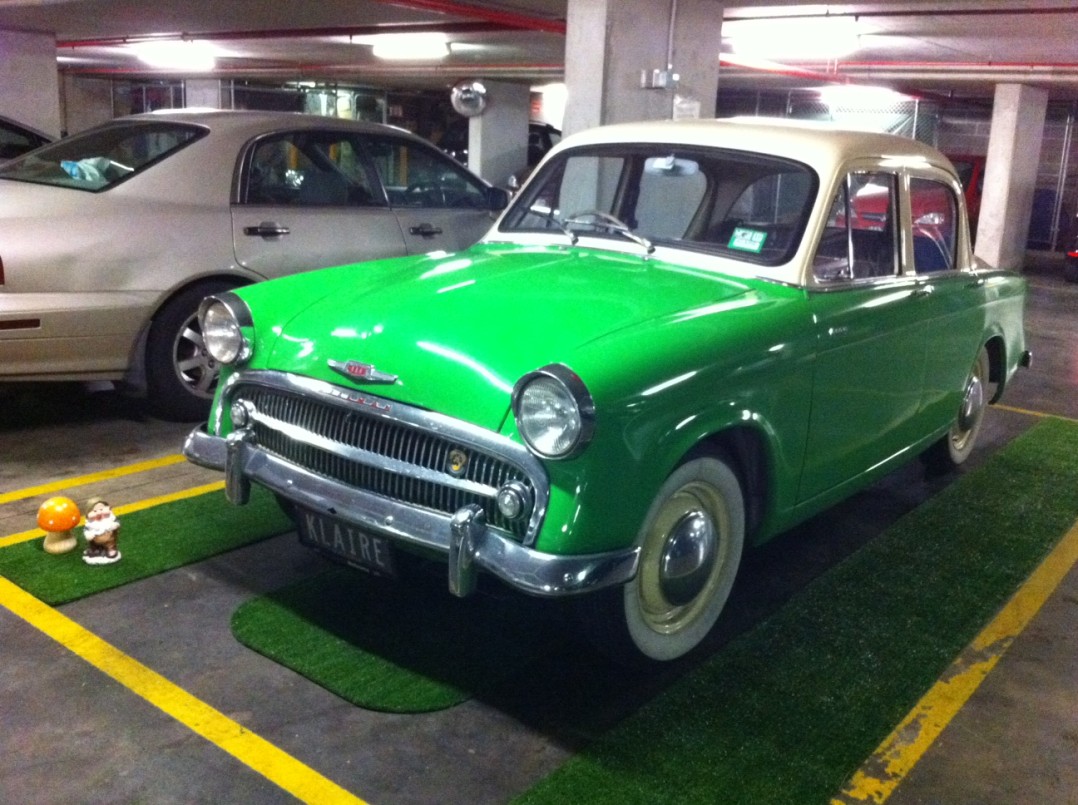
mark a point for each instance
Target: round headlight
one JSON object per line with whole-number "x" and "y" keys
{"x": 554, "y": 412}
{"x": 221, "y": 332}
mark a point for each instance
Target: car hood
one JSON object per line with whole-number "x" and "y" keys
{"x": 455, "y": 333}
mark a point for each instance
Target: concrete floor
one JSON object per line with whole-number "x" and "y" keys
{"x": 71, "y": 734}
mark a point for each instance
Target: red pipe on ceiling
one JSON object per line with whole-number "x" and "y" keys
{"x": 507, "y": 18}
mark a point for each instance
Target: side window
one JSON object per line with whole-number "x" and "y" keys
{"x": 308, "y": 169}
{"x": 416, "y": 176}
{"x": 859, "y": 240}
{"x": 934, "y": 210}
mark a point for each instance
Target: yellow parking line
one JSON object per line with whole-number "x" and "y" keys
{"x": 115, "y": 472}
{"x": 34, "y": 533}
{"x": 1027, "y": 412}
{"x": 263, "y": 757}
{"x": 902, "y": 749}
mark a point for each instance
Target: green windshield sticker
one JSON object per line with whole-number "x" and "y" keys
{"x": 747, "y": 240}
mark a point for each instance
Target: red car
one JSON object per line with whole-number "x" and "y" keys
{"x": 971, "y": 175}
{"x": 1070, "y": 264}
{"x": 934, "y": 213}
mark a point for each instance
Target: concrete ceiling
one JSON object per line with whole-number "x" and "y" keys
{"x": 950, "y": 47}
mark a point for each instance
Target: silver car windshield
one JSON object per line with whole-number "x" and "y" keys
{"x": 742, "y": 205}
{"x": 101, "y": 158}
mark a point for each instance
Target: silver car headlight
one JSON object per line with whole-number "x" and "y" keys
{"x": 554, "y": 411}
{"x": 223, "y": 317}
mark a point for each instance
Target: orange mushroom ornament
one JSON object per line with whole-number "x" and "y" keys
{"x": 58, "y": 516}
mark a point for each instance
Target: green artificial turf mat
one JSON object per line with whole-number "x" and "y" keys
{"x": 151, "y": 541}
{"x": 394, "y": 647}
{"x": 786, "y": 712}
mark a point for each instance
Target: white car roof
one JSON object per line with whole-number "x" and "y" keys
{"x": 823, "y": 146}
{"x": 260, "y": 121}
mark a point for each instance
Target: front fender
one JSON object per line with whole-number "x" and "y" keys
{"x": 599, "y": 499}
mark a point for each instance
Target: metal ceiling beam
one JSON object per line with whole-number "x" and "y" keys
{"x": 284, "y": 33}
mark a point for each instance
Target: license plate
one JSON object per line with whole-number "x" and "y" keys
{"x": 348, "y": 542}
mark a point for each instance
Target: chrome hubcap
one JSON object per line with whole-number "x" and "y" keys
{"x": 972, "y": 403}
{"x": 687, "y": 558}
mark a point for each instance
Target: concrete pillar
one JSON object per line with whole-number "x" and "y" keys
{"x": 697, "y": 39}
{"x": 498, "y": 138}
{"x": 1014, "y": 151}
{"x": 29, "y": 82}
{"x": 613, "y": 49}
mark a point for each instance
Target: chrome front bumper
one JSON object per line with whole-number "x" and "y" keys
{"x": 464, "y": 537}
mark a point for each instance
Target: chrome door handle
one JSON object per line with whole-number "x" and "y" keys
{"x": 922, "y": 291}
{"x": 426, "y": 230}
{"x": 266, "y": 229}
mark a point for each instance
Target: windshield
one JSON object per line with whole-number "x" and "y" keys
{"x": 742, "y": 205}
{"x": 101, "y": 158}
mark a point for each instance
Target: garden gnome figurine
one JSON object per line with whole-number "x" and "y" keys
{"x": 57, "y": 517}
{"x": 102, "y": 531}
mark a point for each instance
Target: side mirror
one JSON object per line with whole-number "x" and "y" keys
{"x": 497, "y": 199}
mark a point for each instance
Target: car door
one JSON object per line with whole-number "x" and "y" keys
{"x": 308, "y": 199}
{"x": 438, "y": 204}
{"x": 869, "y": 368}
{"x": 952, "y": 297}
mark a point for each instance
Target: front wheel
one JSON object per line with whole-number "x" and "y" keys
{"x": 181, "y": 376}
{"x": 955, "y": 447}
{"x": 690, "y": 550}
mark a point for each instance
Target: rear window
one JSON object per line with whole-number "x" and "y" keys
{"x": 99, "y": 159}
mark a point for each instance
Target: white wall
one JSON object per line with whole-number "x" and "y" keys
{"x": 204, "y": 93}
{"x": 86, "y": 102}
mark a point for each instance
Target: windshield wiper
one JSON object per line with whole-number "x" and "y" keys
{"x": 547, "y": 213}
{"x": 604, "y": 220}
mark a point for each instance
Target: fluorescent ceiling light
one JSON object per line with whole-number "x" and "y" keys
{"x": 172, "y": 54}
{"x": 793, "y": 39}
{"x": 407, "y": 47}
{"x": 856, "y": 96}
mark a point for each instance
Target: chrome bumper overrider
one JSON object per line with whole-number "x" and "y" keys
{"x": 464, "y": 538}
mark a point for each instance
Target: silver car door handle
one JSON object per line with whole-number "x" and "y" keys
{"x": 266, "y": 229}
{"x": 426, "y": 230}
{"x": 922, "y": 291}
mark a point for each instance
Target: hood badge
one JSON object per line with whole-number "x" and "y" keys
{"x": 362, "y": 372}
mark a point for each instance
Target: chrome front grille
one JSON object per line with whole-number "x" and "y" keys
{"x": 390, "y": 450}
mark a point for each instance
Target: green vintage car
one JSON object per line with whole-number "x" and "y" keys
{"x": 682, "y": 338}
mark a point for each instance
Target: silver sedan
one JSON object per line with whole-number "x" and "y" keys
{"x": 113, "y": 236}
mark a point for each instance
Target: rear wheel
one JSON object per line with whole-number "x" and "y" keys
{"x": 690, "y": 549}
{"x": 181, "y": 376}
{"x": 954, "y": 448}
